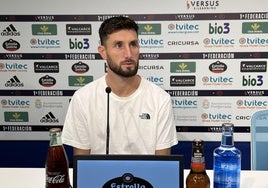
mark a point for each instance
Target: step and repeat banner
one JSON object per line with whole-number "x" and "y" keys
{"x": 213, "y": 63}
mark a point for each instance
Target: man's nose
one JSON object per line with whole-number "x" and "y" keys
{"x": 127, "y": 52}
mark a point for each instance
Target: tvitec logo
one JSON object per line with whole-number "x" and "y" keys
{"x": 184, "y": 103}
{"x": 217, "y": 81}
{"x": 17, "y": 103}
{"x": 251, "y": 104}
{"x": 253, "y": 42}
{"x": 13, "y": 67}
{"x": 156, "y": 80}
{"x": 216, "y": 117}
{"x": 151, "y": 43}
{"x": 45, "y": 43}
{"x": 183, "y": 28}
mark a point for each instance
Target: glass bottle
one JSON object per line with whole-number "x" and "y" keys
{"x": 57, "y": 166}
{"x": 197, "y": 178}
{"x": 227, "y": 160}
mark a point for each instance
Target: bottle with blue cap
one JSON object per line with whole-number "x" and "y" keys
{"x": 227, "y": 160}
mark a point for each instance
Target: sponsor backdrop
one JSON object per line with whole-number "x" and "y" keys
{"x": 212, "y": 63}
{"x": 210, "y": 56}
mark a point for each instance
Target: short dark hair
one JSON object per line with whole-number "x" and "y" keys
{"x": 114, "y": 24}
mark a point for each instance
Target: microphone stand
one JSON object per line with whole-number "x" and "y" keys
{"x": 108, "y": 91}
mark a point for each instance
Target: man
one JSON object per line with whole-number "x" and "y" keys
{"x": 141, "y": 114}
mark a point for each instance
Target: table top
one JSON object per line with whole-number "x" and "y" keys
{"x": 35, "y": 178}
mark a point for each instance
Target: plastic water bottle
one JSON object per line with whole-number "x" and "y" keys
{"x": 227, "y": 160}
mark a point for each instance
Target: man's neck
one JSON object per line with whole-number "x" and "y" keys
{"x": 123, "y": 86}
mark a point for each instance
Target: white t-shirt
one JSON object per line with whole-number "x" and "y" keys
{"x": 139, "y": 124}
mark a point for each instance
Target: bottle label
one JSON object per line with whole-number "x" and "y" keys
{"x": 198, "y": 157}
{"x": 226, "y": 174}
{"x": 60, "y": 178}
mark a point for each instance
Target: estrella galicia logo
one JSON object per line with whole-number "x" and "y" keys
{"x": 47, "y": 81}
{"x": 127, "y": 180}
{"x": 217, "y": 67}
{"x": 11, "y": 45}
{"x": 80, "y": 67}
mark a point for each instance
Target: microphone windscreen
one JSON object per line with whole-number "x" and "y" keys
{"x": 108, "y": 90}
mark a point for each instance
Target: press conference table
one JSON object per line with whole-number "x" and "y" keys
{"x": 35, "y": 178}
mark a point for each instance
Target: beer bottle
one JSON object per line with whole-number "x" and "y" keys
{"x": 57, "y": 166}
{"x": 197, "y": 178}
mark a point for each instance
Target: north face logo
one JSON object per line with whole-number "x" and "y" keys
{"x": 144, "y": 116}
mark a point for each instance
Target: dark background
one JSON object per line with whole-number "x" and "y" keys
{"x": 32, "y": 154}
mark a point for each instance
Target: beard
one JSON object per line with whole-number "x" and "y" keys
{"x": 119, "y": 71}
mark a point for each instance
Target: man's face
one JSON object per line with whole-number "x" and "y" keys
{"x": 122, "y": 52}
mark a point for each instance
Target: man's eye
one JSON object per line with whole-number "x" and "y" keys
{"x": 118, "y": 45}
{"x": 134, "y": 44}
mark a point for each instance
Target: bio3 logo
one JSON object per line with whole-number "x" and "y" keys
{"x": 251, "y": 81}
{"x": 219, "y": 29}
{"x": 76, "y": 44}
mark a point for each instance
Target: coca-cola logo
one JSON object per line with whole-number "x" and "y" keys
{"x": 56, "y": 179}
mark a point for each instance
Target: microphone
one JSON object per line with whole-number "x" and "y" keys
{"x": 108, "y": 91}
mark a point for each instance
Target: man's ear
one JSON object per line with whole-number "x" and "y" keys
{"x": 102, "y": 51}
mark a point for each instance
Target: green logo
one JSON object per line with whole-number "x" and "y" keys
{"x": 16, "y": 116}
{"x": 254, "y": 27}
{"x": 79, "y": 80}
{"x": 149, "y": 29}
{"x": 182, "y": 67}
{"x": 44, "y": 29}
